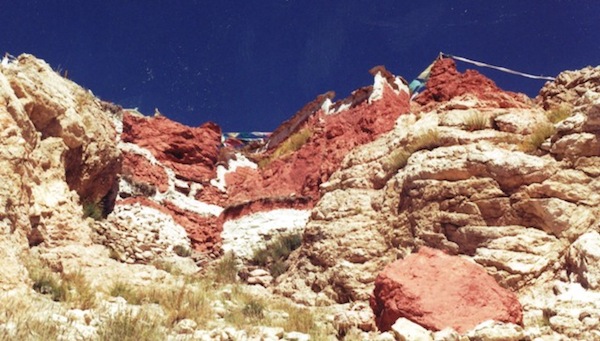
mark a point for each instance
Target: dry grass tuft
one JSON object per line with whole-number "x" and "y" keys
{"x": 476, "y": 121}
{"x": 427, "y": 140}
{"x": 226, "y": 269}
{"x": 299, "y": 319}
{"x": 71, "y": 288}
{"x": 80, "y": 294}
{"x": 189, "y": 301}
{"x": 559, "y": 113}
{"x": 130, "y": 326}
{"x": 19, "y": 322}
{"x": 396, "y": 160}
{"x": 293, "y": 143}
{"x": 534, "y": 140}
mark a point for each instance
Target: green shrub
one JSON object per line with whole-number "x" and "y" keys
{"x": 276, "y": 252}
{"x": 94, "y": 210}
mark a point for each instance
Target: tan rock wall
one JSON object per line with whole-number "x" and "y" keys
{"x": 59, "y": 150}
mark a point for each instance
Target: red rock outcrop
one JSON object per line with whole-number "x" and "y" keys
{"x": 445, "y": 83}
{"x": 291, "y": 126}
{"x": 332, "y": 136}
{"x": 190, "y": 152}
{"x": 437, "y": 291}
{"x": 141, "y": 170}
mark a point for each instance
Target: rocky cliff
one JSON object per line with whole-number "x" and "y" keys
{"x": 467, "y": 213}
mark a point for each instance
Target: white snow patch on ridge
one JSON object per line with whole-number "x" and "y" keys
{"x": 244, "y": 235}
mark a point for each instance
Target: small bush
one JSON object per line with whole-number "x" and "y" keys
{"x": 130, "y": 326}
{"x": 534, "y": 140}
{"x": 94, "y": 210}
{"x": 276, "y": 252}
{"x": 254, "y": 309}
{"x": 559, "y": 113}
{"x": 476, "y": 121}
{"x": 45, "y": 281}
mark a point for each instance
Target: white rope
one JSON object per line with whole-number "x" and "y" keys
{"x": 474, "y": 62}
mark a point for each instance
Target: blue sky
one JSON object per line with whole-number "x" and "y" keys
{"x": 249, "y": 65}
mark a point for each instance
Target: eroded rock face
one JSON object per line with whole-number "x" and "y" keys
{"x": 60, "y": 150}
{"x": 437, "y": 291}
{"x": 59, "y": 108}
{"x": 332, "y": 136}
{"x": 190, "y": 152}
{"x": 570, "y": 87}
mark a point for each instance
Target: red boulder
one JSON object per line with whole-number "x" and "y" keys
{"x": 437, "y": 291}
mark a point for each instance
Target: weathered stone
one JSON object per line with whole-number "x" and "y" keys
{"x": 494, "y": 331}
{"x": 185, "y": 326}
{"x": 583, "y": 260}
{"x": 406, "y": 330}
